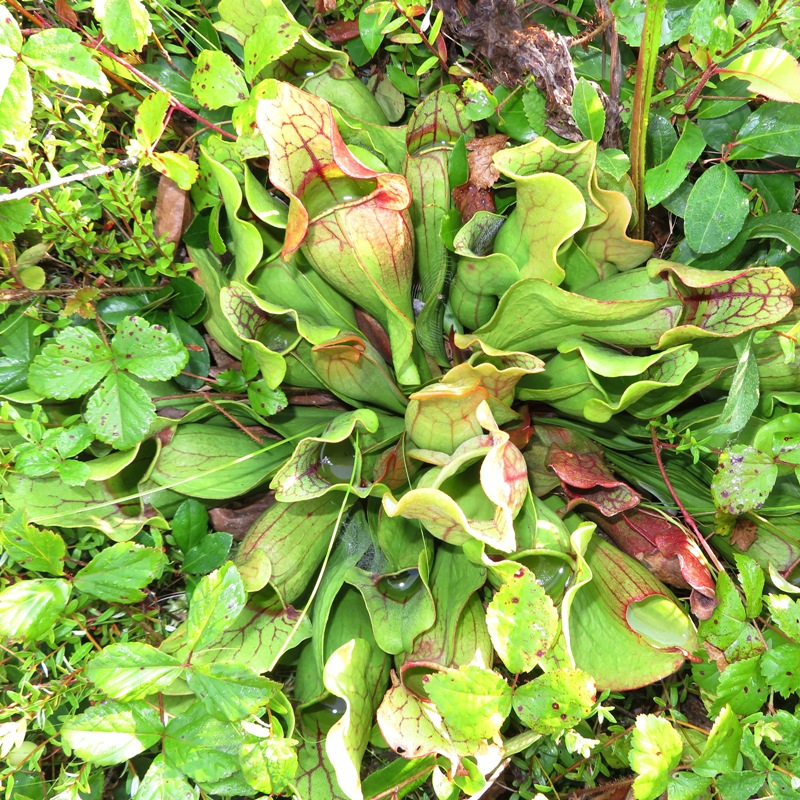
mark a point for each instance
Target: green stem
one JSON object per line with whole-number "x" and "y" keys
{"x": 645, "y": 73}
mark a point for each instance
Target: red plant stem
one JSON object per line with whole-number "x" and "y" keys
{"x": 705, "y": 77}
{"x": 173, "y": 101}
{"x": 101, "y": 48}
{"x": 686, "y": 515}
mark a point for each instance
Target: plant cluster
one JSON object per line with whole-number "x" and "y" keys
{"x": 405, "y": 418}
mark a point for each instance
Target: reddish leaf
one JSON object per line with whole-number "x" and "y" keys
{"x": 585, "y": 478}
{"x": 666, "y": 549}
{"x": 341, "y": 31}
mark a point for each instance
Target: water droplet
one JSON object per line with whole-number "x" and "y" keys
{"x": 401, "y": 585}
{"x": 336, "y": 461}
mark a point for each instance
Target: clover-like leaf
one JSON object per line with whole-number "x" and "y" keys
{"x": 721, "y": 752}
{"x": 60, "y": 54}
{"x": 656, "y": 749}
{"x": 70, "y": 366}
{"x": 230, "y": 691}
{"x": 269, "y": 765}
{"x": 522, "y": 621}
{"x": 162, "y": 781}
{"x": 779, "y": 667}
{"x": 204, "y": 748}
{"x": 744, "y": 479}
{"x": 125, "y": 23}
{"x": 217, "y": 81}
{"x": 120, "y": 412}
{"x": 555, "y": 701}
{"x": 474, "y": 701}
{"x": 148, "y": 351}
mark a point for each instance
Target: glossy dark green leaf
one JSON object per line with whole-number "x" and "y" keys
{"x": 716, "y": 210}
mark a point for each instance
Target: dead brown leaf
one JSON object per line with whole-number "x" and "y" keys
{"x": 469, "y": 199}
{"x": 173, "y": 211}
{"x": 66, "y": 14}
{"x": 238, "y": 521}
{"x": 482, "y": 171}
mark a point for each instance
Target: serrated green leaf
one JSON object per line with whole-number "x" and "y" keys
{"x": 728, "y": 619}
{"x": 111, "y": 732}
{"x": 785, "y": 614}
{"x": 269, "y": 765}
{"x": 148, "y": 351}
{"x": 230, "y": 691}
{"x": 781, "y": 668}
{"x": 555, "y": 701}
{"x": 132, "y": 671}
{"x": 742, "y": 687}
{"x": 273, "y": 37}
{"x": 473, "y": 701}
{"x": 686, "y": 786}
{"x": 14, "y": 214}
{"x": 217, "y": 81}
{"x": 752, "y": 578}
{"x": 716, "y": 210}
{"x": 60, "y": 54}
{"x": 177, "y": 166}
{"x": 588, "y": 111}
{"x": 744, "y": 393}
{"x": 656, "y": 749}
{"x": 32, "y": 548}
{"x": 150, "y": 118}
{"x": 522, "y": 622}
{"x": 743, "y": 480}
{"x": 125, "y": 23}
{"x": 265, "y": 401}
{"x": 120, "y": 412}
{"x": 74, "y": 473}
{"x": 71, "y": 365}
{"x": 204, "y": 748}
{"x": 217, "y": 601}
{"x": 742, "y": 785}
{"x": 118, "y": 573}
{"x": 162, "y": 781}
{"x": 29, "y": 609}
{"x": 535, "y": 106}
{"x": 721, "y": 750}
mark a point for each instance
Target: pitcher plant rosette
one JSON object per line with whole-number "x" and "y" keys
{"x": 459, "y": 504}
